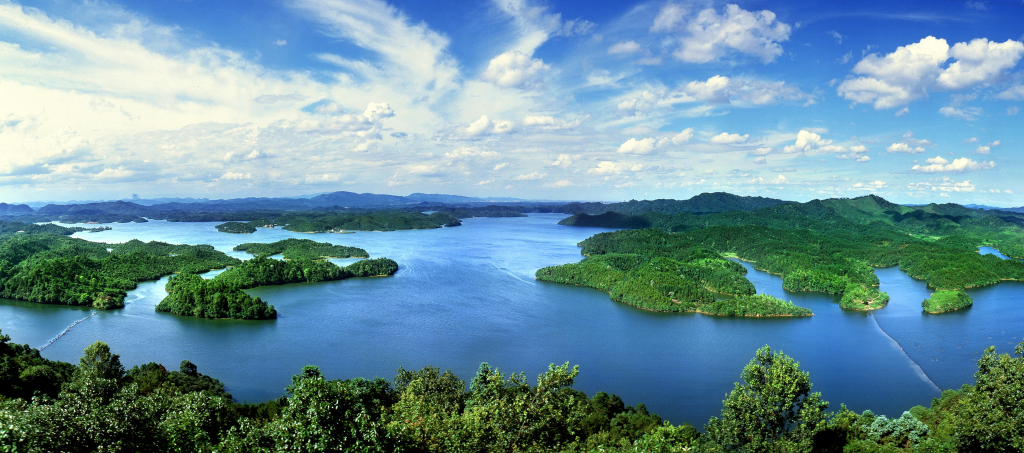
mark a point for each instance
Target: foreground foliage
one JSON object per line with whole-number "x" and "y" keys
{"x": 97, "y": 405}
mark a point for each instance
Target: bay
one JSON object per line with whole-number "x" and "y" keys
{"x": 467, "y": 295}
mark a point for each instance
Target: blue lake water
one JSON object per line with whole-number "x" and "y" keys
{"x": 467, "y": 295}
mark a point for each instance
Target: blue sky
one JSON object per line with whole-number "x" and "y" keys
{"x": 913, "y": 101}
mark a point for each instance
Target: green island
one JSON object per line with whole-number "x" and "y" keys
{"x": 945, "y": 300}
{"x": 236, "y": 227}
{"x": 41, "y": 264}
{"x": 222, "y": 296}
{"x": 52, "y": 268}
{"x": 99, "y": 405}
{"x": 292, "y": 248}
{"x": 654, "y": 270}
{"x": 832, "y": 246}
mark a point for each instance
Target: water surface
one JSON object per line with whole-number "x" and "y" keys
{"x": 467, "y": 295}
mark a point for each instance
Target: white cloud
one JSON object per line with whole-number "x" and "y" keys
{"x": 559, "y": 184}
{"x": 961, "y": 165}
{"x": 726, "y": 138}
{"x": 669, "y": 17}
{"x": 530, "y": 177}
{"x": 807, "y": 141}
{"x": 500, "y": 166}
{"x": 971, "y": 140}
{"x": 634, "y": 146}
{"x": 624, "y": 48}
{"x": 1012, "y": 110}
{"x": 979, "y": 62}
{"x": 873, "y": 185}
{"x": 985, "y": 149}
{"x": 759, "y": 181}
{"x": 606, "y": 167}
{"x": 863, "y": 159}
{"x": 564, "y": 160}
{"x": 904, "y": 148}
{"x": 943, "y": 184}
{"x": 761, "y": 160}
{"x": 908, "y": 73}
{"x": 516, "y": 70}
{"x": 683, "y": 136}
{"x": 280, "y": 42}
{"x": 709, "y": 35}
{"x": 859, "y": 149}
{"x": 761, "y": 151}
{"x": 1014, "y": 93}
{"x": 549, "y": 123}
{"x": 964, "y": 113}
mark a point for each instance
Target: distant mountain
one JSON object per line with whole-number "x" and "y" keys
{"x": 14, "y": 209}
{"x": 703, "y": 203}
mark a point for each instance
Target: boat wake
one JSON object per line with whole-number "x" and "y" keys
{"x": 920, "y": 371}
{"x": 509, "y": 273}
{"x": 65, "y": 332}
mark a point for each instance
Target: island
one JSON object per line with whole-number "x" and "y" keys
{"x": 292, "y": 248}
{"x": 222, "y": 296}
{"x": 944, "y": 301}
{"x": 832, "y": 246}
{"x": 653, "y": 270}
{"x": 236, "y": 227}
{"x": 42, "y": 264}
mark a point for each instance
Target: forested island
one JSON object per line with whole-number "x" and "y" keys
{"x": 832, "y": 246}
{"x": 222, "y": 296}
{"x": 292, "y": 248}
{"x": 52, "y": 268}
{"x": 945, "y": 300}
{"x": 653, "y": 270}
{"x": 98, "y": 405}
{"x": 40, "y": 263}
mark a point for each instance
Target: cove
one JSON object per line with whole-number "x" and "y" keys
{"x": 467, "y": 295}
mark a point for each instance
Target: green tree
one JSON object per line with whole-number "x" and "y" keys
{"x": 99, "y": 362}
{"x": 773, "y": 411}
{"x": 990, "y": 416}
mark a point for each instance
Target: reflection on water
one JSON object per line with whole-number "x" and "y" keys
{"x": 467, "y": 295}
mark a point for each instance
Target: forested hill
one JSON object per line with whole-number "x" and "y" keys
{"x": 703, "y": 203}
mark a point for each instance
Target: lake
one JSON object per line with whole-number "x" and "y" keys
{"x": 467, "y": 295}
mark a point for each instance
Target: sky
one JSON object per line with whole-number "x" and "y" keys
{"x": 561, "y": 100}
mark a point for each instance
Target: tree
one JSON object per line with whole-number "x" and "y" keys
{"x": 773, "y": 411}
{"x": 990, "y": 416}
{"x": 99, "y": 362}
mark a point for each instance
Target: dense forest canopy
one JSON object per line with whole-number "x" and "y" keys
{"x": 98, "y": 405}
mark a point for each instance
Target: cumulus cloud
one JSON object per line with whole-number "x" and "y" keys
{"x": 908, "y": 73}
{"x": 761, "y": 160}
{"x": 807, "y": 141}
{"x": 904, "y": 148}
{"x": 484, "y": 126}
{"x": 516, "y": 70}
{"x": 726, "y": 138}
{"x": 708, "y": 35}
{"x": 863, "y": 159}
{"x": 634, "y": 146}
{"x": 961, "y": 165}
{"x": 985, "y": 149}
{"x": 683, "y": 136}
